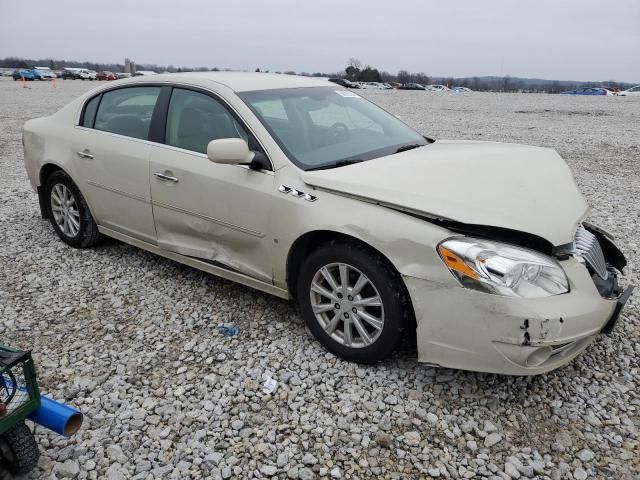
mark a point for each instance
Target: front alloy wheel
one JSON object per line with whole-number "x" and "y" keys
{"x": 353, "y": 301}
{"x": 347, "y": 305}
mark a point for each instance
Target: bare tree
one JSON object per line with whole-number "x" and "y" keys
{"x": 403, "y": 76}
{"x": 355, "y": 63}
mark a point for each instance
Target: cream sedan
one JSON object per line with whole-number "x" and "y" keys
{"x": 308, "y": 191}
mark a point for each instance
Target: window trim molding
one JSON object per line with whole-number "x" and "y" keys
{"x": 162, "y": 109}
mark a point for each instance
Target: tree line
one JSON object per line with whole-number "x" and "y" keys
{"x": 354, "y": 71}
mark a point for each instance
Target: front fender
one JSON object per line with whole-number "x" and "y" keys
{"x": 407, "y": 242}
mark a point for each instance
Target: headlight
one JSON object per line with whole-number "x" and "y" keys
{"x": 502, "y": 269}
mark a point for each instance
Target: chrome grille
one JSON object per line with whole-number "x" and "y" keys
{"x": 587, "y": 246}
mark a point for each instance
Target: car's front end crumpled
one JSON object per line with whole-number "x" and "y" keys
{"x": 510, "y": 325}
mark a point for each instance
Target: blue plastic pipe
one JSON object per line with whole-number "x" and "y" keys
{"x": 57, "y": 417}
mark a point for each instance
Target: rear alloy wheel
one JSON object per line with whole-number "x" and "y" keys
{"x": 65, "y": 210}
{"x": 69, "y": 213}
{"x": 352, "y": 302}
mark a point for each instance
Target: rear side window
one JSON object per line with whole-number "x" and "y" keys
{"x": 90, "y": 112}
{"x": 127, "y": 111}
{"x": 194, "y": 119}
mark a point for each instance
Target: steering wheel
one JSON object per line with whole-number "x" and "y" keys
{"x": 339, "y": 132}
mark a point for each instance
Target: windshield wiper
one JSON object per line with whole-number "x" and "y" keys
{"x": 411, "y": 146}
{"x": 338, "y": 163}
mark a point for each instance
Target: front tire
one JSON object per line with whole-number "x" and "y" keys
{"x": 18, "y": 450}
{"x": 69, "y": 213}
{"x": 353, "y": 302}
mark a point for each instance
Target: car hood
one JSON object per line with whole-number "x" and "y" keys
{"x": 519, "y": 187}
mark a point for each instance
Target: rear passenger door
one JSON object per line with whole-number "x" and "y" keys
{"x": 208, "y": 210}
{"x": 111, "y": 152}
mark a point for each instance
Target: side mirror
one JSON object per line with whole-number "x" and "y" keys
{"x": 232, "y": 151}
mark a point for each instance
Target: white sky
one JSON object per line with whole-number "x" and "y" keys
{"x": 554, "y": 39}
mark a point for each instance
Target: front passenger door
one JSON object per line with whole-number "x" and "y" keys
{"x": 203, "y": 209}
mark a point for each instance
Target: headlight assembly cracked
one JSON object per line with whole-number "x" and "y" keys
{"x": 502, "y": 269}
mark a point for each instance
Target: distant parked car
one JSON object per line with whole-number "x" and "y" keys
{"x": 460, "y": 90}
{"x": 106, "y": 76}
{"x": 24, "y": 73}
{"x": 38, "y": 75}
{"x": 71, "y": 74}
{"x": 586, "y": 91}
{"x": 437, "y": 88}
{"x": 344, "y": 82}
{"x": 394, "y": 84}
{"x": 144, "y": 73}
{"x": 123, "y": 75}
{"x": 411, "y": 86}
{"x": 373, "y": 86}
{"x": 631, "y": 92}
{"x": 45, "y": 73}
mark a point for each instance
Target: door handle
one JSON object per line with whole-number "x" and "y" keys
{"x": 164, "y": 177}
{"x": 85, "y": 154}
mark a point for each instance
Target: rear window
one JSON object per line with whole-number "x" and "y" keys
{"x": 127, "y": 111}
{"x": 90, "y": 109}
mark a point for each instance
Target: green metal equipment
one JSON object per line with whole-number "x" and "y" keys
{"x": 19, "y": 397}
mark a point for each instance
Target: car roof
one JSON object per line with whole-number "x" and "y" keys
{"x": 237, "y": 81}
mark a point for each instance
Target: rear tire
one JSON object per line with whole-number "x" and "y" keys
{"x": 18, "y": 450}
{"x": 69, "y": 213}
{"x": 363, "y": 321}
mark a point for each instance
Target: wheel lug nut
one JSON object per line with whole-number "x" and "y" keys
{"x": 350, "y": 298}
{"x": 339, "y": 295}
{"x": 354, "y": 310}
{"x": 346, "y": 315}
{"x": 337, "y": 306}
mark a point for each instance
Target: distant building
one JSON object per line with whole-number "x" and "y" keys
{"x": 129, "y": 66}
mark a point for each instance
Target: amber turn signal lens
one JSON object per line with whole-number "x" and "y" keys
{"x": 455, "y": 263}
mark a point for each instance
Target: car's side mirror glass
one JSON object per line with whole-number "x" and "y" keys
{"x": 232, "y": 151}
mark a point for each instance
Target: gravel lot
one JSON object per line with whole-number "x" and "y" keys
{"x": 132, "y": 339}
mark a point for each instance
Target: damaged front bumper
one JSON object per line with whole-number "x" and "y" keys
{"x": 472, "y": 330}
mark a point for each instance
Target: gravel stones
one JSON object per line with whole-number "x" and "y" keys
{"x": 68, "y": 469}
{"x": 412, "y": 438}
{"x": 492, "y": 439}
{"x": 585, "y": 455}
{"x": 309, "y": 459}
{"x": 132, "y": 339}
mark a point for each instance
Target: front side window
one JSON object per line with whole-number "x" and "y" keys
{"x": 127, "y": 111}
{"x": 194, "y": 119}
{"x": 319, "y": 126}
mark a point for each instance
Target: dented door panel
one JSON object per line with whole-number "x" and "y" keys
{"x": 212, "y": 211}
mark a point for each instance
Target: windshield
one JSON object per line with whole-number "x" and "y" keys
{"x": 322, "y": 126}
